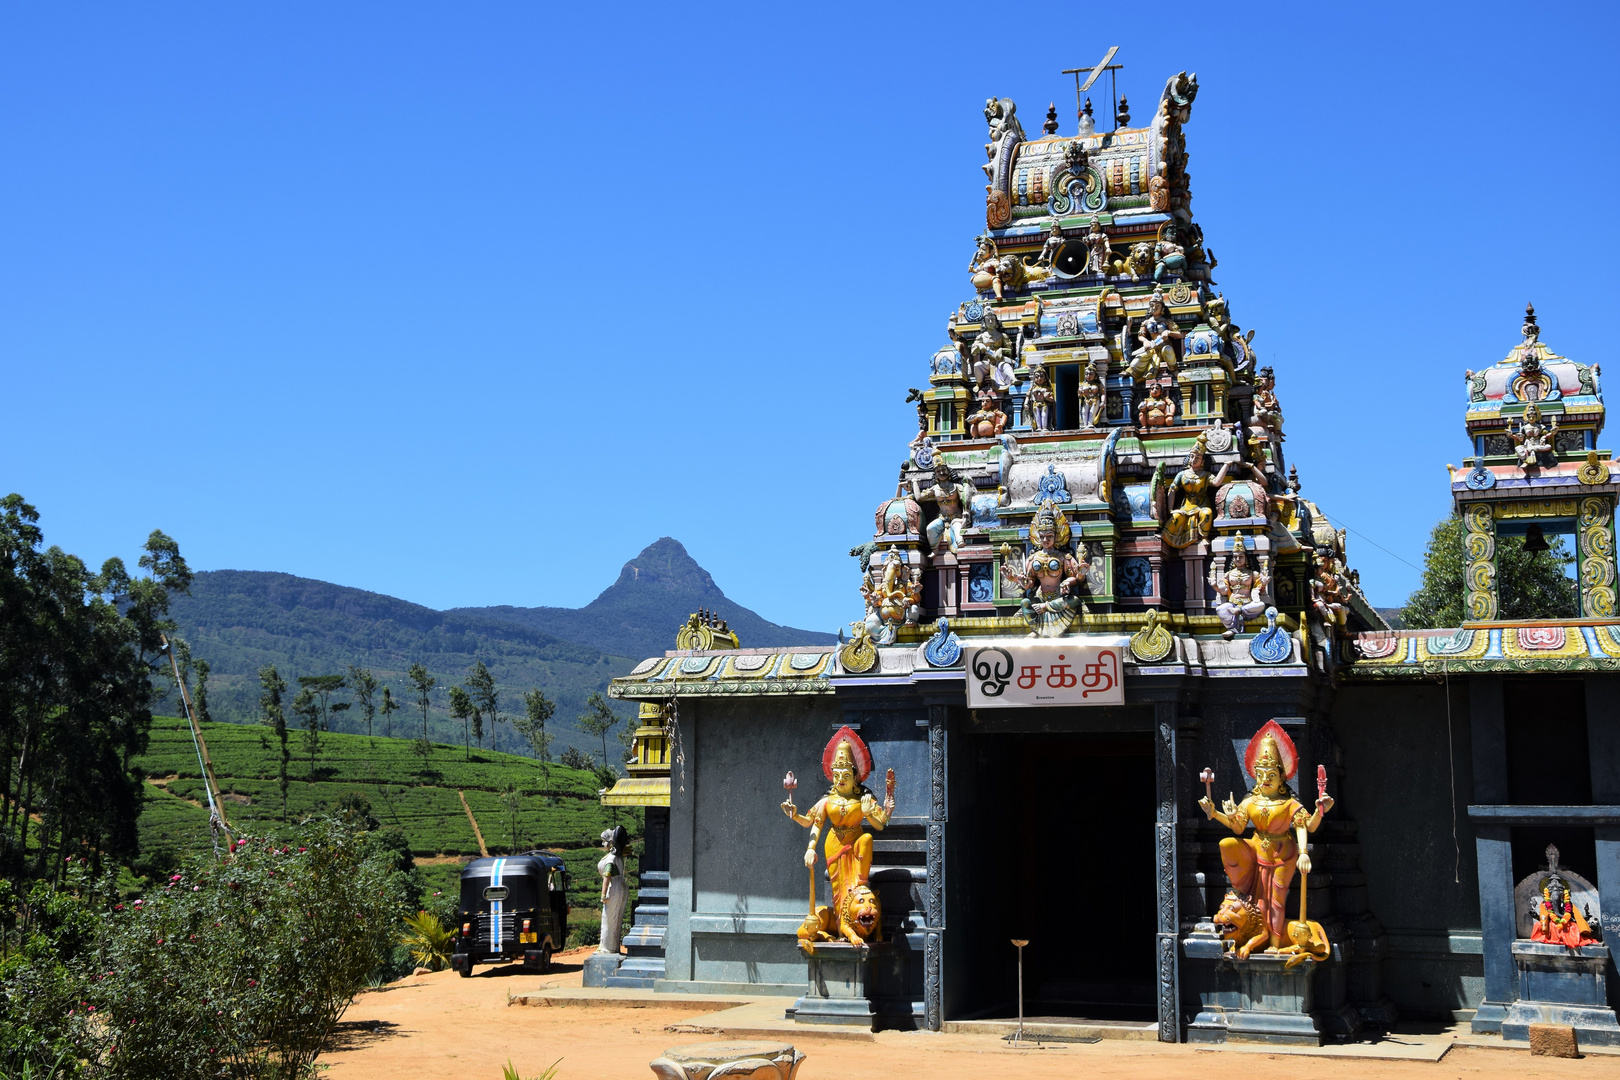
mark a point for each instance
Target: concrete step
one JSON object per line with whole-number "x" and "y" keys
{"x": 1075, "y": 1029}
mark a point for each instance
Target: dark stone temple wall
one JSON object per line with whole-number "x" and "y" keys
{"x": 1422, "y": 882}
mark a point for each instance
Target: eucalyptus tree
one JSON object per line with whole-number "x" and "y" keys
{"x": 486, "y": 698}
{"x": 461, "y": 708}
{"x": 273, "y": 686}
{"x": 363, "y": 684}
{"x": 308, "y": 709}
{"x": 388, "y": 708}
{"x": 200, "y": 698}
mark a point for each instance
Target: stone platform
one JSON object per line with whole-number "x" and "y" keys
{"x": 1560, "y": 985}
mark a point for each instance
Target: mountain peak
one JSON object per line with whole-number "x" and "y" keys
{"x": 665, "y": 560}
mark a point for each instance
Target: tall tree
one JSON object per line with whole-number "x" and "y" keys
{"x": 308, "y": 709}
{"x": 363, "y": 684}
{"x": 423, "y": 684}
{"x": 461, "y": 708}
{"x": 200, "y": 698}
{"x": 273, "y": 686}
{"x": 78, "y": 652}
{"x": 183, "y": 661}
{"x": 532, "y": 726}
{"x": 486, "y": 699}
{"x": 388, "y": 708}
{"x": 599, "y": 719}
{"x": 323, "y": 687}
{"x": 1529, "y": 585}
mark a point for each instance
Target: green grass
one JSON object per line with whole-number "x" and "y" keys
{"x": 560, "y": 810}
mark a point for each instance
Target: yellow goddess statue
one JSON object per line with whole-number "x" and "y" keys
{"x": 1261, "y": 867}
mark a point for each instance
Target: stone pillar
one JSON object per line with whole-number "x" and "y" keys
{"x": 1494, "y": 849}
{"x": 1603, "y": 743}
{"x": 934, "y": 931}
{"x": 1167, "y": 983}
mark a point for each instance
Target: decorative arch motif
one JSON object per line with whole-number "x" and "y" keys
{"x": 1596, "y": 526}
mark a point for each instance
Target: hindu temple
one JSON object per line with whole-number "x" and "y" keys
{"x": 1110, "y": 687}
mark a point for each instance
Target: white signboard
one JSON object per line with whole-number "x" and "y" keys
{"x": 1068, "y": 672}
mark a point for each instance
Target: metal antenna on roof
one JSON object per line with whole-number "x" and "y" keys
{"x": 1080, "y": 89}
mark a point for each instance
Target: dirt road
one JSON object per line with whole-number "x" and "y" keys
{"x": 449, "y": 1028}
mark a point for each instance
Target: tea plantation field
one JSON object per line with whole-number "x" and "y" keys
{"x": 555, "y": 808}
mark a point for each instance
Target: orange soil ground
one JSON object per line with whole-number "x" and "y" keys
{"x": 449, "y": 1028}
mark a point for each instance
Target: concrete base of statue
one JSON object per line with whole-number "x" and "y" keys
{"x": 1560, "y": 985}
{"x": 600, "y": 967}
{"x": 1261, "y": 999}
{"x": 842, "y": 981}
{"x": 644, "y": 944}
{"x": 734, "y": 1060}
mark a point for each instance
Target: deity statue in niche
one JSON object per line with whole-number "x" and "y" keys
{"x": 1240, "y": 591}
{"x": 1558, "y": 921}
{"x": 1157, "y": 333}
{"x": 1532, "y": 438}
{"x": 1189, "y": 522}
{"x": 1048, "y": 576}
{"x": 1098, "y": 248}
{"x": 1156, "y": 410}
{"x": 982, "y": 268}
{"x": 853, "y": 914}
{"x": 1038, "y": 402}
{"x": 1093, "y": 396}
{"x": 953, "y": 495}
{"x": 989, "y": 421}
{"x": 993, "y": 356}
{"x": 893, "y": 593}
{"x": 1260, "y": 868}
{"x": 1330, "y": 590}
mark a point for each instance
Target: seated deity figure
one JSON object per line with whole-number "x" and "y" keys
{"x": 1330, "y": 590}
{"x": 1267, "y": 415}
{"x": 993, "y": 359}
{"x": 1189, "y": 522}
{"x": 1093, "y": 397}
{"x": 1098, "y": 248}
{"x": 1156, "y": 410}
{"x": 1261, "y": 867}
{"x": 989, "y": 421}
{"x": 1038, "y": 402}
{"x": 1558, "y": 920}
{"x": 982, "y": 268}
{"x": 1048, "y": 575}
{"x": 953, "y": 496}
{"x": 844, "y": 811}
{"x": 1532, "y": 438}
{"x": 1240, "y": 592}
{"x": 1169, "y": 257}
{"x": 1157, "y": 334}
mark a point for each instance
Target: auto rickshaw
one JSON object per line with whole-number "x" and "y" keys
{"x": 513, "y": 908}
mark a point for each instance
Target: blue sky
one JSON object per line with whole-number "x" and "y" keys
{"x": 468, "y": 304}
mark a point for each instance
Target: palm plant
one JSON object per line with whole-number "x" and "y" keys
{"x": 429, "y": 940}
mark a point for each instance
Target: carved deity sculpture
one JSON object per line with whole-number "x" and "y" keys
{"x": 1169, "y": 257}
{"x": 982, "y": 268}
{"x": 1237, "y": 348}
{"x": 1038, "y": 402}
{"x": 1048, "y": 575}
{"x": 893, "y": 593}
{"x": 1156, "y": 410}
{"x": 616, "y": 841}
{"x": 953, "y": 496}
{"x": 1241, "y": 592}
{"x": 1260, "y": 868}
{"x": 1093, "y": 397}
{"x": 1156, "y": 333}
{"x": 1049, "y": 250}
{"x": 1191, "y": 494}
{"x": 1330, "y": 590}
{"x": 1557, "y": 920}
{"x": 1267, "y": 416}
{"x": 848, "y": 807}
{"x": 1532, "y": 438}
{"x": 989, "y": 421}
{"x": 1098, "y": 248}
{"x": 994, "y": 358}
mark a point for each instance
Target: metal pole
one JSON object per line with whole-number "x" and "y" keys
{"x": 1019, "y": 1036}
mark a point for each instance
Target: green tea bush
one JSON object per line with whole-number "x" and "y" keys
{"x": 242, "y": 968}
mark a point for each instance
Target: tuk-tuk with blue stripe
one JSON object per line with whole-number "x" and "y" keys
{"x": 513, "y": 908}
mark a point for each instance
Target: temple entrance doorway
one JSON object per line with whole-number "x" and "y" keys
{"x": 1067, "y": 863}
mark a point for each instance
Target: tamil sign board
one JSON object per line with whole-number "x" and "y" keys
{"x": 1068, "y": 672}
